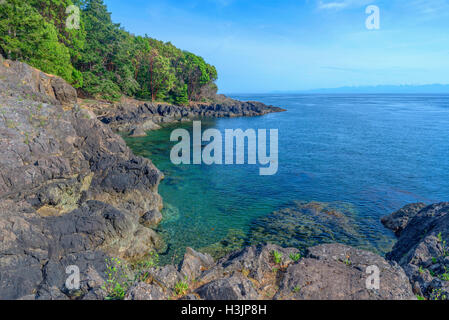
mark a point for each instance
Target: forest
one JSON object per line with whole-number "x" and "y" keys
{"x": 78, "y": 41}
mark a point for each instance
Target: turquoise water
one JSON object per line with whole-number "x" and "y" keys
{"x": 370, "y": 153}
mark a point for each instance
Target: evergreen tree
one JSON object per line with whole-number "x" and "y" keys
{"x": 99, "y": 57}
{"x": 26, "y": 36}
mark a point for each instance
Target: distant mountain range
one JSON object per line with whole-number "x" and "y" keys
{"x": 421, "y": 89}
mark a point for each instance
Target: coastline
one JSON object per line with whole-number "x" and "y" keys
{"x": 135, "y": 117}
{"x": 72, "y": 192}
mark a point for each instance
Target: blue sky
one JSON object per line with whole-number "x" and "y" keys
{"x": 262, "y": 46}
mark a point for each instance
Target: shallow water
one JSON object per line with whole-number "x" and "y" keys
{"x": 373, "y": 153}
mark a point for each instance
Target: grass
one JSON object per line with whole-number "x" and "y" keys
{"x": 27, "y": 138}
{"x": 181, "y": 288}
{"x": 445, "y": 276}
{"x": 443, "y": 245}
{"x": 117, "y": 282}
{"x": 295, "y": 257}
{"x": 141, "y": 268}
{"x": 277, "y": 256}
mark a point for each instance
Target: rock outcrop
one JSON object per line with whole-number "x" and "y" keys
{"x": 71, "y": 191}
{"x": 137, "y": 119}
{"x": 423, "y": 247}
{"x": 18, "y": 78}
{"x": 327, "y": 272}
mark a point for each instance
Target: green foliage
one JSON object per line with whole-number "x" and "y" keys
{"x": 445, "y": 276}
{"x": 443, "y": 245}
{"x": 100, "y": 58}
{"x": 117, "y": 281}
{"x": 181, "y": 288}
{"x": 420, "y": 298}
{"x": 295, "y": 257}
{"x": 277, "y": 256}
{"x": 438, "y": 294}
{"x": 421, "y": 270}
{"x": 25, "y": 35}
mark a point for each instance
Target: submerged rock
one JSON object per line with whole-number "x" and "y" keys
{"x": 234, "y": 240}
{"x": 311, "y": 223}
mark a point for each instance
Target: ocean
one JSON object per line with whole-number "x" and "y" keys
{"x": 344, "y": 162}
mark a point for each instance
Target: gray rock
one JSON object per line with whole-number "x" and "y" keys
{"x": 151, "y": 219}
{"x": 137, "y": 119}
{"x": 256, "y": 261}
{"x": 399, "y": 219}
{"x": 422, "y": 248}
{"x": 195, "y": 263}
{"x": 144, "y": 291}
{"x": 167, "y": 277}
{"x": 338, "y": 272}
{"x": 71, "y": 191}
{"x": 26, "y": 81}
{"x": 233, "y": 288}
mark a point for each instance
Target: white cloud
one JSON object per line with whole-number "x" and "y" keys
{"x": 342, "y": 4}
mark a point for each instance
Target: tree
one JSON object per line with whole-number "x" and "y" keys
{"x": 100, "y": 58}
{"x": 197, "y": 74}
{"x": 26, "y": 36}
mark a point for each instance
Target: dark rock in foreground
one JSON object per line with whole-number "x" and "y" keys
{"x": 71, "y": 191}
{"x": 327, "y": 272}
{"x": 423, "y": 247}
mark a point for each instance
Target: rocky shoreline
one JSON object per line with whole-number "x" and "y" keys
{"x": 135, "y": 117}
{"x": 73, "y": 194}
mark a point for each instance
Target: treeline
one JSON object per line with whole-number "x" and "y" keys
{"x": 100, "y": 58}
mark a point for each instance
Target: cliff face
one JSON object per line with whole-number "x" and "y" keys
{"x": 71, "y": 192}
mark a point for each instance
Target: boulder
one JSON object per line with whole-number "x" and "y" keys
{"x": 23, "y": 80}
{"x": 339, "y": 272}
{"x": 151, "y": 218}
{"x": 144, "y": 291}
{"x": 233, "y": 288}
{"x": 195, "y": 263}
{"x": 399, "y": 219}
